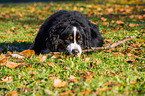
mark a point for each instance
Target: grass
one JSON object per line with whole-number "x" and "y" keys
{"x": 118, "y": 71}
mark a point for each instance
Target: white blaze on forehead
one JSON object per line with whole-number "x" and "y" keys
{"x": 74, "y": 45}
{"x": 75, "y": 31}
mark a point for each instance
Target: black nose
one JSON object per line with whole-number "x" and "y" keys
{"x": 75, "y": 51}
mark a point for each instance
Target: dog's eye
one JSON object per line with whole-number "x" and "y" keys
{"x": 71, "y": 37}
{"x": 79, "y": 37}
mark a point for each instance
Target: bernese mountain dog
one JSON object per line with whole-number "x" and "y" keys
{"x": 67, "y": 31}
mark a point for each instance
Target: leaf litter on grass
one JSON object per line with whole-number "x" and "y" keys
{"x": 119, "y": 70}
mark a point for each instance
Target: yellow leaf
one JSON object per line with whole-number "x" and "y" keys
{"x": 28, "y": 52}
{"x": 119, "y": 22}
{"x": 110, "y": 10}
{"x": 104, "y": 19}
{"x": 12, "y": 9}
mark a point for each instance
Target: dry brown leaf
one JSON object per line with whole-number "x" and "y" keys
{"x": 134, "y": 66}
{"x": 105, "y": 23}
{"x": 12, "y": 64}
{"x": 85, "y": 92}
{"x": 119, "y": 22}
{"x": 2, "y": 56}
{"x": 110, "y": 10}
{"x": 133, "y": 25}
{"x": 59, "y": 83}
{"x": 14, "y": 93}
{"x": 102, "y": 89}
{"x": 111, "y": 84}
{"x": 3, "y": 61}
{"x": 104, "y": 19}
{"x": 55, "y": 56}
{"x": 107, "y": 83}
{"x": 28, "y": 52}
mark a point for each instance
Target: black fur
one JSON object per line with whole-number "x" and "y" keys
{"x": 51, "y": 32}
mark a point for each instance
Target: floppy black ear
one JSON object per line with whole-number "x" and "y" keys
{"x": 96, "y": 38}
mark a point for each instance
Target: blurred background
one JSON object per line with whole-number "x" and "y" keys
{"x": 97, "y": 1}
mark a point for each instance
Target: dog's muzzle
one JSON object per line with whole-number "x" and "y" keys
{"x": 74, "y": 49}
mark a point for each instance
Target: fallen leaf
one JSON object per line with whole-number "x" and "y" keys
{"x": 134, "y": 66}
{"x": 104, "y": 19}
{"x": 2, "y": 56}
{"x": 28, "y": 52}
{"x": 59, "y": 83}
{"x": 85, "y": 92}
{"x": 107, "y": 83}
{"x": 3, "y": 61}
{"x": 17, "y": 56}
{"x": 102, "y": 89}
{"x": 12, "y": 64}
{"x": 110, "y": 10}
{"x": 119, "y": 22}
{"x": 133, "y": 25}
{"x": 55, "y": 56}
{"x": 105, "y": 23}
{"x": 14, "y": 93}
{"x": 110, "y": 84}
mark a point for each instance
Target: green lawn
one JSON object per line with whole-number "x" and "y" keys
{"x": 117, "y": 71}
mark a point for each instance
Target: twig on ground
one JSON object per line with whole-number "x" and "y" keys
{"x": 109, "y": 46}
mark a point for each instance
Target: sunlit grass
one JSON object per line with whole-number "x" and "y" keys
{"x": 108, "y": 72}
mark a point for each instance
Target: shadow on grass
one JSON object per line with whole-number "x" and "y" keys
{"x": 14, "y": 46}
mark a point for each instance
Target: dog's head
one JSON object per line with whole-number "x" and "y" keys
{"x": 71, "y": 40}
